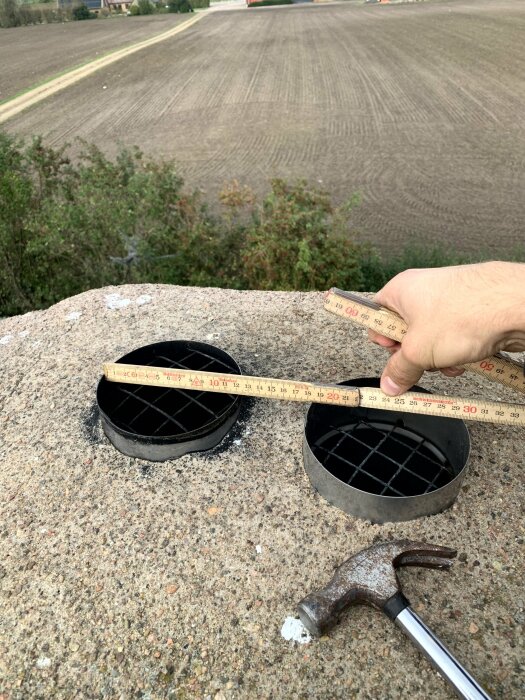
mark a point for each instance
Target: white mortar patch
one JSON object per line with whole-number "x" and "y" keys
{"x": 143, "y": 299}
{"x": 43, "y": 662}
{"x": 114, "y": 301}
{"x": 293, "y": 630}
{"x": 6, "y": 339}
{"x": 74, "y": 316}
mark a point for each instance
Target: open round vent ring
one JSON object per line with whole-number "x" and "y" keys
{"x": 384, "y": 465}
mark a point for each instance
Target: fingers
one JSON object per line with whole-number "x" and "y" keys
{"x": 399, "y": 374}
{"x": 452, "y": 371}
{"x": 381, "y": 340}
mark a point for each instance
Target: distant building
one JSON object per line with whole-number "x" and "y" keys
{"x": 96, "y": 5}
{"x": 117, "y": 5}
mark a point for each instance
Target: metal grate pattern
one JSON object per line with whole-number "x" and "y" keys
{"x": 382, "y": 458}
{"x": 159, "y": 412}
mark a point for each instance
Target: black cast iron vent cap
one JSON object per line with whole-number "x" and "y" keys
{"x": 158, "y": 423}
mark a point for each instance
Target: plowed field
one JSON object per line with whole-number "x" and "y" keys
{"x": 30, "y": 55}
{"x": 419, "y": 107}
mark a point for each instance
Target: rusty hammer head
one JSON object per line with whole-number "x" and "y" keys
{"x": 370, "y": 577}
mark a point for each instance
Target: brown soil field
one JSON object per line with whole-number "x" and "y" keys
{"x": 419, "y": 107}
{"x": 34, "y": 54}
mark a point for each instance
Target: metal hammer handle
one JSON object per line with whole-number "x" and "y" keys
{"x": 464, "y": 685}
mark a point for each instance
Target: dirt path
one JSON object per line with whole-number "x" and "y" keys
{"x": 14, "y": 106}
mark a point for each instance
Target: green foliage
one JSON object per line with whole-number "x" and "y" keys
{"x": 142, "y": 7}
{"x": 264, "y": 3}
{"x": 414, "y": 254}
{"x": 181, "y": 6}
{"x": 82, "y": 12}
{"x": 15, "y": 14}
{"x": 66, "y": 227}
{"x": 298, "y": 240}
{"x": 9, "y": 15}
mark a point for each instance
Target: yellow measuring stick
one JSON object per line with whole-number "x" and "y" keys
{"x": 335, "y": 394}
{"x": 364, "y": 312}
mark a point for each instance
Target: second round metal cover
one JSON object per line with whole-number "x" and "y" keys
{"x": 384, "y": 466}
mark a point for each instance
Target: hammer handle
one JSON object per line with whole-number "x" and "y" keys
{"x": 441, "y": 658}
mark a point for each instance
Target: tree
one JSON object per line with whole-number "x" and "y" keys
{"x": 9, "y": 16}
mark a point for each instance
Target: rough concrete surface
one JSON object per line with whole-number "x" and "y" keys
{"x": 126, "y": 579}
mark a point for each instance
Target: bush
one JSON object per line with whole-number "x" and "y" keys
{"x": 54, "y": 242}
{"x": 9, "y": 15}
{"x": 180, "y": 6}
{"x": 67, "y": 227}
{"x": 298, "y": 240}
{"x": 142, "y": 7}
{"x": 146, "y": 7}
{"x": 13, "y": 14}
{"x": 82, "y": 12}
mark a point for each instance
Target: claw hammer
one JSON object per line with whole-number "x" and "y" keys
{"x": 370, "y": 577}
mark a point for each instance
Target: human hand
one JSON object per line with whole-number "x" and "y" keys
{"x": 455, "y": 315}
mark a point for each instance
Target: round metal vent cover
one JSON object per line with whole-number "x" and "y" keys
{"x": 384, "y": 466}
{"x": 156, "y": 423}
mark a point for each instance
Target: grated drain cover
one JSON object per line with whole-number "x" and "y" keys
{"x": 383, "y": 458}
{"x": 156, "y": 423}
{"x": 383, "y": 465}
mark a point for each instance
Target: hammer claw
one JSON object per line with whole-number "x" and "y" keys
{"x": 431, "y": 556}
{"x": 429, "y": 562}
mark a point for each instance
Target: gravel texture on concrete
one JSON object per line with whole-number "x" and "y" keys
{"x": 126, "y": 579}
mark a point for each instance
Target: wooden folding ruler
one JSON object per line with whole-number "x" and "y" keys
{"x": 366, "y": 313}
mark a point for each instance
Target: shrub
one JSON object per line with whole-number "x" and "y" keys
{"x": 298, "y": 240}
{"x": 82, "y": 12}
{"x": 9, "y": 15}
{"x": 146, "y": 7}
{"x": 67, "y": 227}
{"x": 180, "y": 6}
{"x": 54, "y": 242}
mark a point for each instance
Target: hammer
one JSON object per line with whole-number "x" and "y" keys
{"x": 370, "y": 577}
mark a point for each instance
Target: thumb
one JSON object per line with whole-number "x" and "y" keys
{"x": 400, "y": 374}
